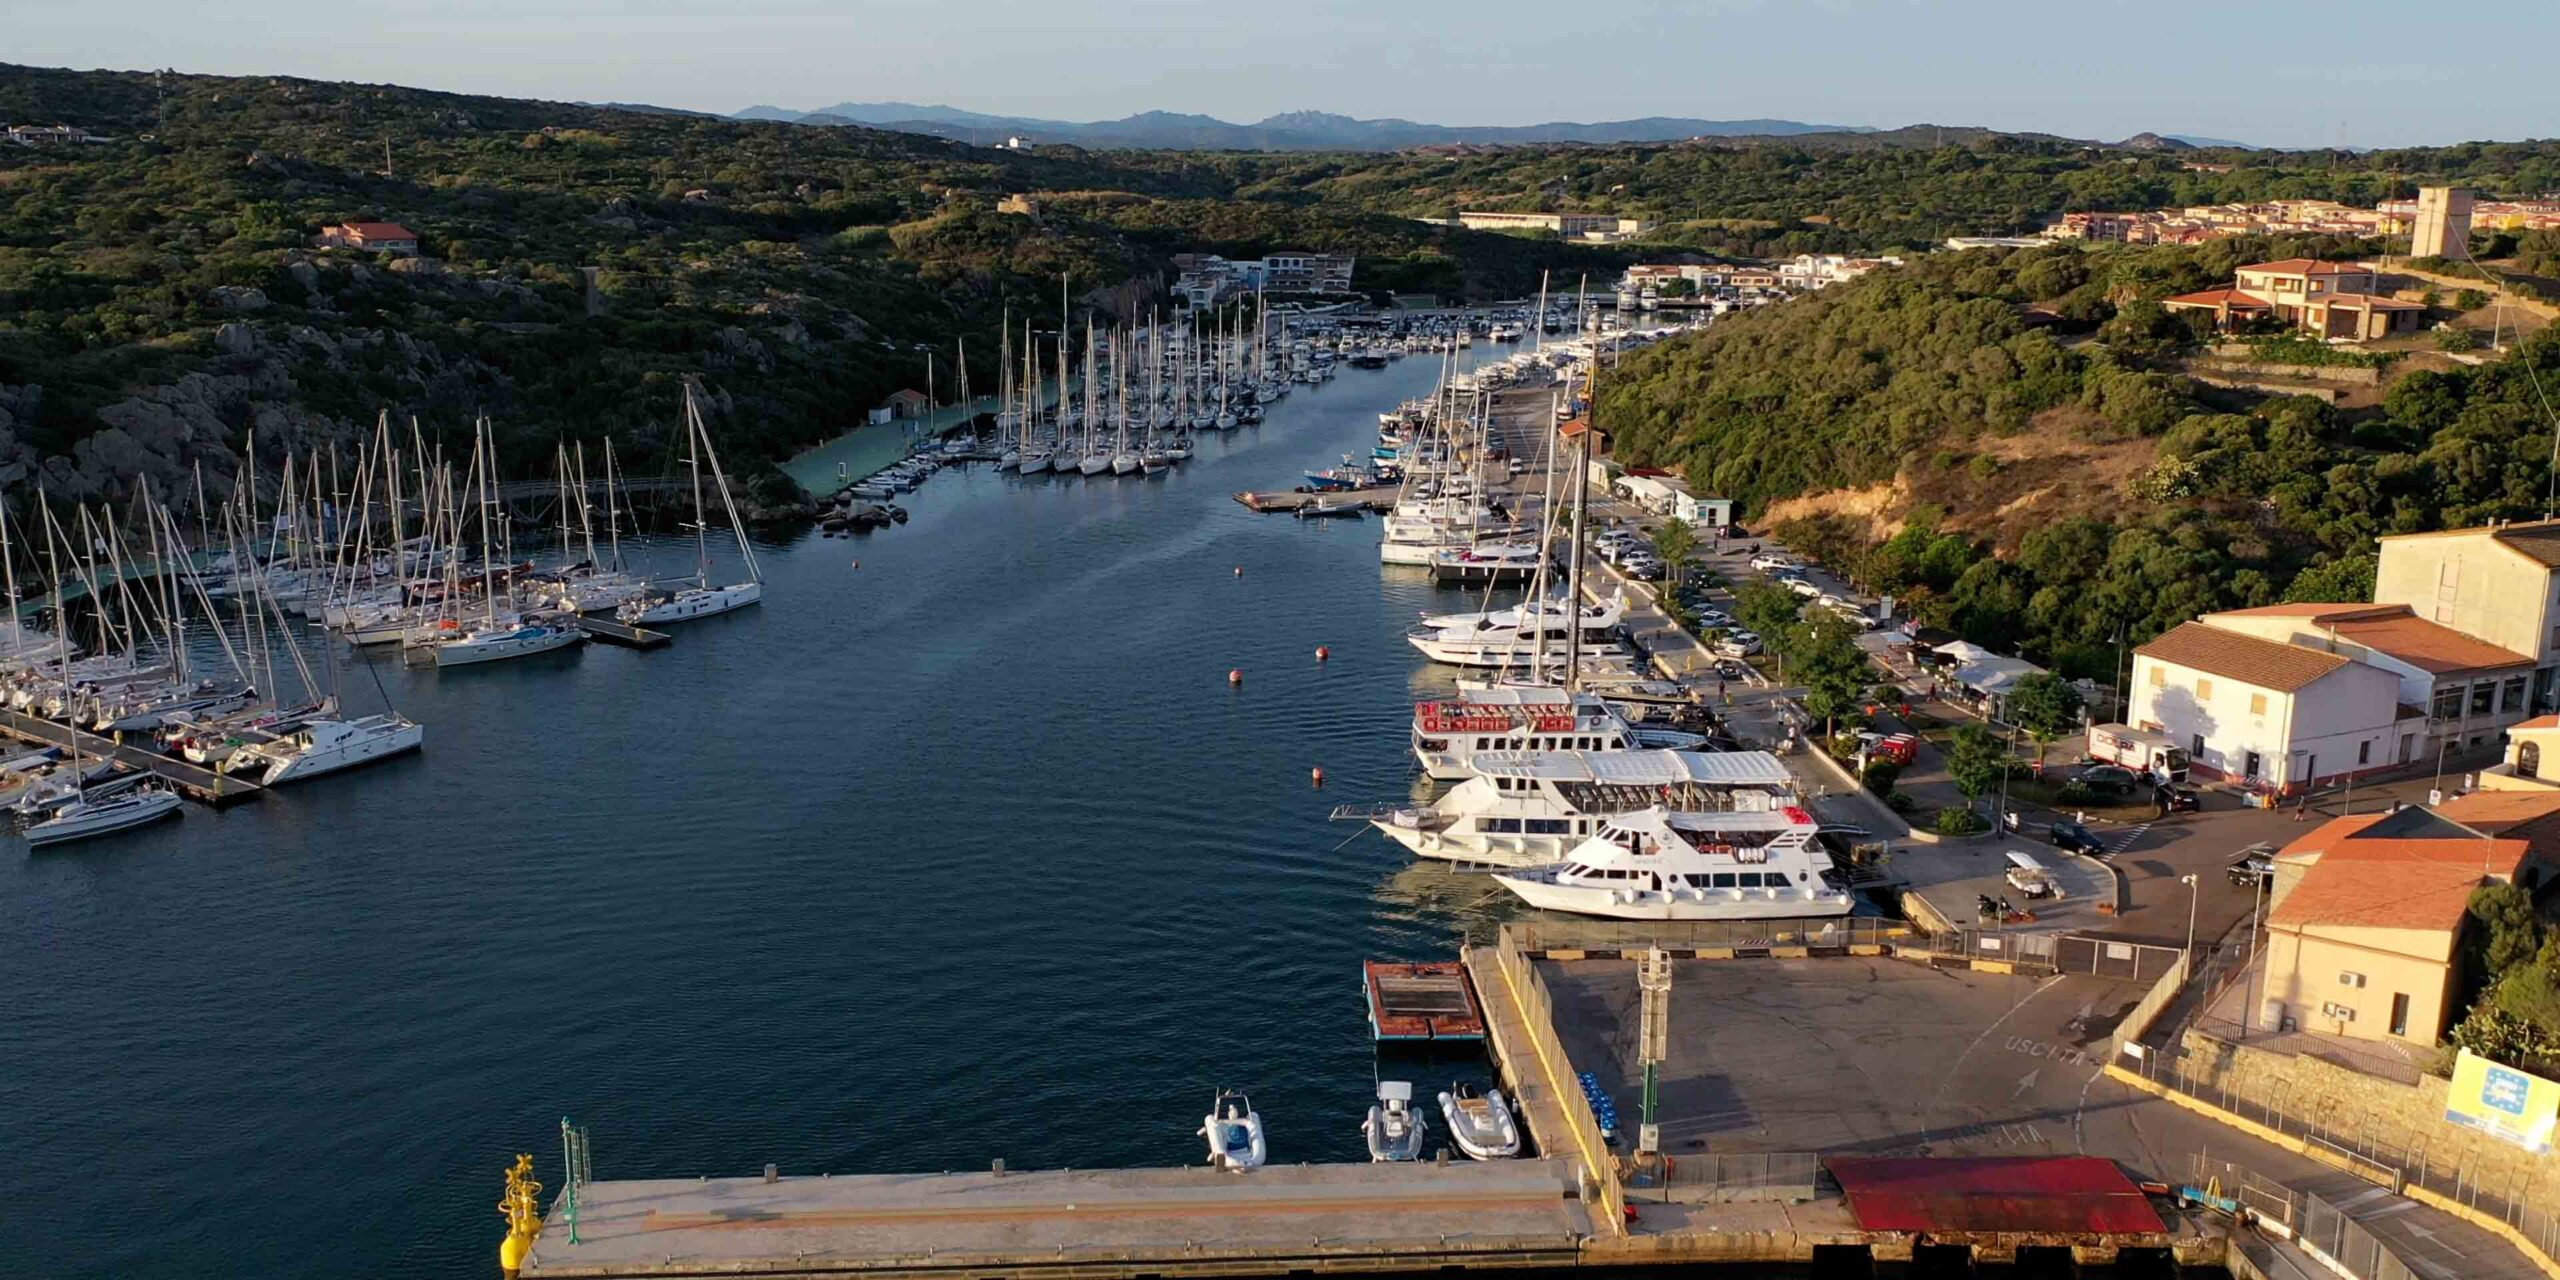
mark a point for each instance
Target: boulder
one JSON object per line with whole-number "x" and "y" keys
{"x": 236, "y": 338}
{"x": 237, "y": 297}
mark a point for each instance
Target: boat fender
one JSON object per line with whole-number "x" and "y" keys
{"x": 1235, "y": 676}
{"x": 1318, "y": 775}
{"x": 1324, "y": 653}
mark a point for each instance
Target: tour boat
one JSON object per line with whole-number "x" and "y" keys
{"x": 84, "y": 818}
{"x": 1486, "y": 564}
{"x": 1394, "y": 1131}
{"x": 1448, "y": 736}
{"x": 326, "y": 746}
{"x": 1656, "y": 864}
{"x": 1480, "y": 1122}
{"x": 1234, "y": 1132}
{"x": 1528, "y": 808}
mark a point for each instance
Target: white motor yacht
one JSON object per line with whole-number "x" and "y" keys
{"x": 1448, "y": 735}
{"x": 85, "y": 818}
{"x": 326, "y": 746}
{"x": 1234, "y": 1132}
{"x": 1655, "y": 864}
{"x": 1480, "y": 1122}
{"x": 1526, "y": 809}
{"x": 1394, "y": 1131}
{"x": 1488, "y": 641}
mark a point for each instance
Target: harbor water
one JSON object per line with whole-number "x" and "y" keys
{"x": 960, "y": 847}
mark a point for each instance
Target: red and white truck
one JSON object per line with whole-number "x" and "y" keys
{"x": 2152, "y": 755}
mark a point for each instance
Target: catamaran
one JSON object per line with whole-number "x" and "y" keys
{"x": 1655, "y": 864}
{"x": 1526, "y": 808}
{"x": 702, "y": 600}
{"x": 327, "y": 746}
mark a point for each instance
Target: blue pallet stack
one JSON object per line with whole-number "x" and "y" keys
{"x": 1602, "y": 1109}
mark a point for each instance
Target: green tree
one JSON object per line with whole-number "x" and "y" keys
{"x": 1766, "y": 608}
{"x": 1677, "y": 539}
{"x": 2507, "y": 932}
{"x": 2471, "y": 300}
{"x": 2457, "y": 340}
{"x": 1830, "y": 665}
{"x": 2046, "y": 708}
{"x": 2345, "y": 580}
{"x": 1976, "y": 761}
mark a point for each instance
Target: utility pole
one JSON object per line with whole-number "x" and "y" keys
{"x": 1653, "y": 1040}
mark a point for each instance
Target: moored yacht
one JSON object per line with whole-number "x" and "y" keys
{"x": 503, "y": 640}
{"x": 84, "y": 818}
{"x": 316, "y": 747}
{"x": 1449, "y": 736}
{"x": 1655, "y": 864}
{"x": 1527, "y": 808}
{"x": 1516, "y": 637}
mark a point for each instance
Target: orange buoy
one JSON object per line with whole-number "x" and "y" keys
{"x": 1318, "y": 775}
{"x": 1323, "y": 652}
{"x": 1236, "y": 676}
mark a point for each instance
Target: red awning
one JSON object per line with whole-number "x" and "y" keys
{"x": 2035, "y": 1195}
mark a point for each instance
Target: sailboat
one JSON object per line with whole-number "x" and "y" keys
{"x": 83, "y": 817}
{"x": 702, "y": 600}
{"x": 498, "y": 637}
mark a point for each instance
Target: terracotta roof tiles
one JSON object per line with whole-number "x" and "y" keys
{"x": 2264, "y": 664}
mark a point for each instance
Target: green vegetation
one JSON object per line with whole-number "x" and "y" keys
{"x": 2046, "y": 708}
{"x": 2232, "y": 495}
{"x": 1976, "y": 761}
{"x": 2516, "y": 1017}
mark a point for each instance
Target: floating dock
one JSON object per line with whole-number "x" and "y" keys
{"x": 612, "y": 632}
{"x": 194, "y": 781}
{"x": 1421, "y": 1002}
{"x": 1082, "y": 1223}
{"x": 1376, "y": 498}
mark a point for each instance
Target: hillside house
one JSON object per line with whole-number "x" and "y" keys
{"x": 373, "y": 237}
{"x": 2327, "y": 299}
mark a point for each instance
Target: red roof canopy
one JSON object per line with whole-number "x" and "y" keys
{"x": 2038, "y": 1195}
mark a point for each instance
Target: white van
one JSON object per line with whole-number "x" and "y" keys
{"x": 2028, "y": 876}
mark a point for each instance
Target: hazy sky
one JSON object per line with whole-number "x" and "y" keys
{"x": 2279, "y": 72}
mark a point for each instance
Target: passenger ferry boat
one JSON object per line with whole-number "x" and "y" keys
{"x": 1656, "y": 864}
{"x": 1527, "y": 808}
{"x": 1450, "y": 736}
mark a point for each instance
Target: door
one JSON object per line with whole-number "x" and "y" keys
{"x": 2399, "y": 1015}
{"x": 2249, "y": 765}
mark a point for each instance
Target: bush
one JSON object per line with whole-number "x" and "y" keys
{"x": 2074, "y": 793}
{"x": 1880, "y": 777}
{"x": 2471, "y": 299}
{"x": 2457, "y": 340}
{"x": 1961, "y": 821}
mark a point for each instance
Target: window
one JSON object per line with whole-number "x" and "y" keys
{"x": 2204, "y": 689}
{"x": 2511, "y": 694}
{"x": 1724, "y": 879}
{"x": 2160, "y": 675}
{"x": 2195, "y": 744}
{"x": 2257, "y": 704}
{"x": 1750, "y": 879}
{"x": 2449, "y": 703}
{"x": 2528, "y": 759}
{"x": 2364, "y": 752}
{"x": 2399, "y": 1015}
{"x": 2484, "y": 697}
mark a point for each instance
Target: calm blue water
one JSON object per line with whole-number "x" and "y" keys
{"x": 967, "y": 852}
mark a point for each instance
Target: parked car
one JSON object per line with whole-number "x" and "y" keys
{"x": 1737, "y": 644}
{"x": 2077, "y": 838}
{"x": 1771, "y": 564}
{"x": 2107, "y": 779}
{"x": 1644, "y": 565}
{"x": 2255, "y": 866}
{"x": 1728, "y": 669}
{"x": 1803, "y": 588}
{"x": 2177, "y": 798}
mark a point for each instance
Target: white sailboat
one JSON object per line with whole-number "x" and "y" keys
{"x": 702, "y": 600}
{"x": 498, "y": 637}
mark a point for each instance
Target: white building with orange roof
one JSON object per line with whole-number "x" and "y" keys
{"x": 2456, "y": 690}
{"x": 2330, "y": 299}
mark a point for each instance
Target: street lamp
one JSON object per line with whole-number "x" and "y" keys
{"x": 2193, "y": 894}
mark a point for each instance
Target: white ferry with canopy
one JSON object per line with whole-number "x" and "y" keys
{"x": 1448, "y": 735}
{"x": 1527, "y": 808}
{"x": 1657, "y": 864}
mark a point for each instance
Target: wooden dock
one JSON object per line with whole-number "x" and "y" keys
{"x": 1432, "y": 1001}
{"x": 192, "y": 780}
{"x": 612, "y": 632}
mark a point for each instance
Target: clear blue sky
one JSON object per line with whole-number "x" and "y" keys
{"x": 2279, "y": 72}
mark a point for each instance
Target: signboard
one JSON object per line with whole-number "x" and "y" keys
{"x": 2502, "y": 1102}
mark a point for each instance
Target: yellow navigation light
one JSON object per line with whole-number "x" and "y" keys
{"x": 522, "y": 1209}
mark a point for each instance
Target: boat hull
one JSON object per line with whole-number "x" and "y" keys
{"x": 689, "y": 605}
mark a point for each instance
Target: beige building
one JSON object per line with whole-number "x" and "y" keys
{"x": 2329, "y": 299}
{"x": 2532, "y": 762}
{"x": 2365, "y": 921}
{"x": 2442, "y": 227}
{"x": 1569, "y": 226}
{"x": 2500, "y": 583}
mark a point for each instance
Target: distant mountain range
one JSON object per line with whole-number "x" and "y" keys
{"x": 1290, "y": 131}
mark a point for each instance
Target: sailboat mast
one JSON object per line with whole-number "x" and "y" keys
{"x": 693, "y": 461}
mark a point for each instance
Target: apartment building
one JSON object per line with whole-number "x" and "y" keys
{"x": 2500, "y": 583}
{"x": 2329, "y": 299}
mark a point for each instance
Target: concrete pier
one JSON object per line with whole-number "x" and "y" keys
{"x": 1085, "y": 1223}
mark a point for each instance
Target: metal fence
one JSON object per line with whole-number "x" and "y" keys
{"x": 1790, "y": 1177}
{"x": 2328, "y": 1230}
{"x": 1540, "y": 936}
{"x": 2345, "y": 1135}
{"x": 2061, "y": 952}
{"x": 1551, "y": 1076}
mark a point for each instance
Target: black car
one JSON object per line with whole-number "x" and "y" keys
{"x": 2255, "y": 866}
{"x": 2107, "y": 779}
{"x": 2076, "y": 838}
{"x": 2173, "y": 798}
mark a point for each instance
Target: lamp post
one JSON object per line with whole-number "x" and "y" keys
{"x": 2193, "y": 895}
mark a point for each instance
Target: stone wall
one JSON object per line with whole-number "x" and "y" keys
{"x": 2385, "y": 1113}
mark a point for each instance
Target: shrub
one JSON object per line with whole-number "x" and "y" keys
{"x": 2456, "y": 340}
{"x": 2074, "y": 793}
{"x": 1960, "y": 821}
{"x": 1880, "y": 777}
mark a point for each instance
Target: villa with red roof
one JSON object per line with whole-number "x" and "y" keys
{"x": 2330, "y": 299}
{"x": 379, "y": 237}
